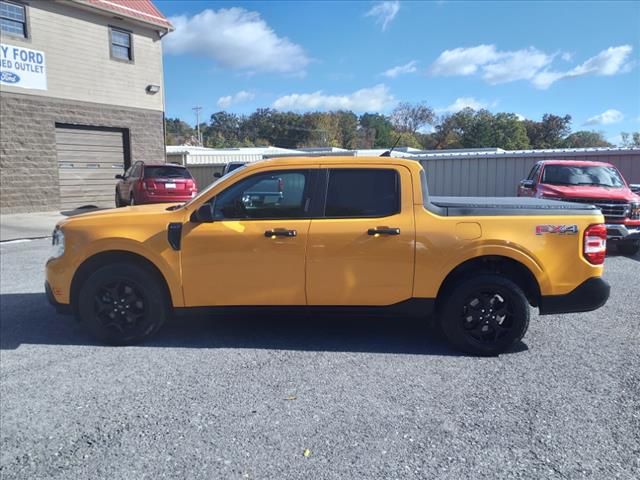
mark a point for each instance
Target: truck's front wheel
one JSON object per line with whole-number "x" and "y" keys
{"x": 122, "y": 304}
{"x": 484, "y": 315}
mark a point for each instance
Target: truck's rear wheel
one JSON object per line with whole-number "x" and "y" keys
{"x": 122, "y": 304}
{"x": 485, "y": 315}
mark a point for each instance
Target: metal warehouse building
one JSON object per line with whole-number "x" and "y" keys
{"x": 462, "y": 172}
{"x": 81, "y": 97}
{"x": 496, "y": 172}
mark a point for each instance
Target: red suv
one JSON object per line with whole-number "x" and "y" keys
{"x": 596, "y": 183}
{"x": 154, "y": 183}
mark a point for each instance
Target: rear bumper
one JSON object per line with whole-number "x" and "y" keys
{"x": 62, "y": 308}
{"x": 618, "y": 231}
{"x": 590, "y": 295}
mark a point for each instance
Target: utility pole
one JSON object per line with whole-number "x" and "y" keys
{"x": 197, "y": 110}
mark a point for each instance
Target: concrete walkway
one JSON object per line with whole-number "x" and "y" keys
{"x": 16, "y": 226}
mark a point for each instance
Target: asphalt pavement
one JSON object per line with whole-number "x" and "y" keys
{"x": 315, "y": 398}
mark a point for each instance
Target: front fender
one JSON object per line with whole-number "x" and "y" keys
{"x": 155, "y": 249}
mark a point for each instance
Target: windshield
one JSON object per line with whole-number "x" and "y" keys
{"x": 208, "y": 188}
{"x": 166, "y": 172}
{"x": 582, "y": 175}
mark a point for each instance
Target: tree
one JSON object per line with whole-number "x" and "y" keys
{"x": 630, "y": 140}
{"x": 381, "y": 127}
{"x": 585, "y": 139}
{"x": 550, "y": 132}
{"x": 470, "y": 129}
{"x": 223, "y": 130}
{"x": 177, "y": 131}
{"x": 509, "y": 132}
{"x": 407, "y": 117}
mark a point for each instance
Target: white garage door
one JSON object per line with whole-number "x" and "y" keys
{"x": 88, "y": 161}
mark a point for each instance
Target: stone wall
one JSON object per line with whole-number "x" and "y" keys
{"x": 28, "y": 162}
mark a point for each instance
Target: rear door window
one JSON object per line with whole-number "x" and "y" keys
{"x": 362, "y": 193}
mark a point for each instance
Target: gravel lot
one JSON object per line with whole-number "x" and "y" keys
{"x": 244, "y": 397}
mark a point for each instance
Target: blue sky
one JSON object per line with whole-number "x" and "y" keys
{"x": 530, "y": 58}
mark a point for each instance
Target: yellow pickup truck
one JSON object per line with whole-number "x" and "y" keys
{"x": 337, "y": 234}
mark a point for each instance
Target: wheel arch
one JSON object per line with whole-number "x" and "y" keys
{"x": 507, "y": 267}
{"x": 92, "y": 263}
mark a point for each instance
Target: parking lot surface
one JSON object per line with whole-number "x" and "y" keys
{"x": 310, "y": 397}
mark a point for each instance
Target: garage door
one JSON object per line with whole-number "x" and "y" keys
{"x": 88, "y": 161}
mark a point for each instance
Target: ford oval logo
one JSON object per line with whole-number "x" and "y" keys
{"x": 9, "y": 77}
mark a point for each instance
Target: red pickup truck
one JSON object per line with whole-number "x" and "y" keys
{"x": 596, "y": 183}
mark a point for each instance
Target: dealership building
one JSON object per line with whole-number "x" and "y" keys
{"x": 81, "y": 98}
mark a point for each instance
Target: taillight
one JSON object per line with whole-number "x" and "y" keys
{"x": 595, "y": 244}
{"x": 191, "y": 186}
{"x": 148, "y": 185}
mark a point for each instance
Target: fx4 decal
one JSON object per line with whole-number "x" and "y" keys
{"x": 558, "y": 229}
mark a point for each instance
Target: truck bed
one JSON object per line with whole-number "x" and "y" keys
{"x": 503, "y": 206}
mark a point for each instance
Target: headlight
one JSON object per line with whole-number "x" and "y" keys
{"x": 634, "y": 213}
{"x": 57, "y": 243}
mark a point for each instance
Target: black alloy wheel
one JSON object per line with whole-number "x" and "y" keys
{"x": 120, "y": 305}
{"x": 123, "y": 303}
{"x": 484, "y": 315}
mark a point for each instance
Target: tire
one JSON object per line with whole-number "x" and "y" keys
{"x": 122, "y": 304}
{"x": 132, "y": 201}
{"x": 629, "y": 248}
{"x": 469, "y": 323}
{"x": 118, "y": 202}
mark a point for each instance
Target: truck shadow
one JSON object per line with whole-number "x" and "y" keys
{"x": 27, "y": 318}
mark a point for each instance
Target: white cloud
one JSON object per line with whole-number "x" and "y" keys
{"x": 517, "y": 65}
{"x": 566, "y": 56}
{"x": 461, "y": 103}
{"x": 384, "y": 13}
{"x": 527, "y": 64}
{"x": 372, "y": 99}
{"x": 520, "y": 117}
{"x": 401, "y": 69}
{"x": 463, "y": 61}
{"x": 240, "y": 97}
{"x": 606, "y": 118}
{"x": 235, "y": 38}
{"x": 608, "y": 62}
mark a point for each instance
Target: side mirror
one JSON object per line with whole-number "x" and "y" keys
{"x": 120, "y": 177}
{"x": 528, "y": 184}
{"x": 635, "y": 188}
{"x": 217, "y": 175}
{"x": 204, "y": 214}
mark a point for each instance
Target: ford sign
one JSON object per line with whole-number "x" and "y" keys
{"x": 9, "y": 77}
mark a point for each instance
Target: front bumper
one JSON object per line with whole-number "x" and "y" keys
{"x": 618, "y": 231}
{"x": 589, "y": 295}
{"x": 62, "y": 308}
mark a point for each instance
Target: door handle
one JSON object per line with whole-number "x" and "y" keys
{"x": 280, "y": 232}
{"x": 383, "y": 231}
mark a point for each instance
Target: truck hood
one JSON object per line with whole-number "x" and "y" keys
{"x": 589, "y": 191}
{"x": 125, "y": 215}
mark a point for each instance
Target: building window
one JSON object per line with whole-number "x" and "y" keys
{"x": 13, "y": 19}
{"x": 121, "y": 48}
